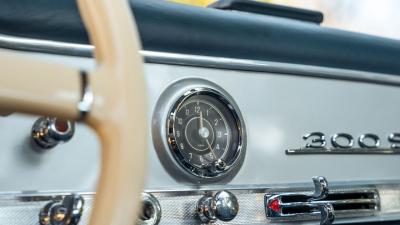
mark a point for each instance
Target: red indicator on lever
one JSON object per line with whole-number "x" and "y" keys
{"x": 274, "y": 205}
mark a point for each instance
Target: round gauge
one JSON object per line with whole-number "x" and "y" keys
{"x": 205, "y": 133}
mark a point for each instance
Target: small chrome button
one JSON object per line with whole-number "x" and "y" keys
{"x": 222, "y": 206}
{"x": 47, "y": 132}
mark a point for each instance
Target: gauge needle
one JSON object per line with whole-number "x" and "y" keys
{"x": 212, "y": 150}
{"x": 201, "y": 119}
{"x": 208, "y": 143}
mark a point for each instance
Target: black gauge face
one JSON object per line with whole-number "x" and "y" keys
{"x": 205, "y": 134}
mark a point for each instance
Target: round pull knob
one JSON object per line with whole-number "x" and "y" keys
{"x": 66, "y": 212}
{"x": 222, "y": 206}
{"x": 47, "y": 132}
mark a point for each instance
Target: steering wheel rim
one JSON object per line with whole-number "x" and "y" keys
{"x": 117, "y": 111}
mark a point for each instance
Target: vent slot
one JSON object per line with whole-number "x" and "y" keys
{"x": 296, "y": 210}
{"x": 344, "y": 202}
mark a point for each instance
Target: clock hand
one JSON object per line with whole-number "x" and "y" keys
{"x": 212, "y": 150}
{"x": 201, "y": 119}
{"x": 208, "y": 143}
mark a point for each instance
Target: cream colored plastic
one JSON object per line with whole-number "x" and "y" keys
{"x": 28, "y": 85}
{"x": 119, "y": 110}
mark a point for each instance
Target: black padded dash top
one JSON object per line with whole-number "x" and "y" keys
{"x": 170, "y": 27}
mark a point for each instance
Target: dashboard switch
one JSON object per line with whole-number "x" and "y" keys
{"x": 294, "y": 207}
{"x": 65, "y": 212}
{"x": 222, "y": 206}
{"x": 47, "y": 132}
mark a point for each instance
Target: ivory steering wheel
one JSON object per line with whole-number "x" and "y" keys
{"x": 111, "y": 99}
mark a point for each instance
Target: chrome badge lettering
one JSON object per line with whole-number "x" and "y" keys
{"x": 344, "y": 143}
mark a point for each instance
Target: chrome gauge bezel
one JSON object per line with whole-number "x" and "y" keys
{"x": 177, "y": 155}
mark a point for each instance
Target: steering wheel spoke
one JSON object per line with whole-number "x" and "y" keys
{"x": 34, "y": 86}
{"x": 115, "y": 92}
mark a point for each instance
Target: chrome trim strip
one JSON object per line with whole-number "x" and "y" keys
{"x": 44, "y": 46}
{"x": 84, "y": 50}
{"x": 348, "y": 151}
{"x": 85, "y": 104}
{"x": 271, "y": 67}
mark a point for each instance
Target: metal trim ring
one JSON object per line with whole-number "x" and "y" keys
{"x": 155, "y": 204}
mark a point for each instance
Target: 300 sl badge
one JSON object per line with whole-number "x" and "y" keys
{"x": 343, "y": 143}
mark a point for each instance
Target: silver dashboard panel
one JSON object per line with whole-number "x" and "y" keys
{"x": 71, "y": 166}
{"x": 277, "y": 110}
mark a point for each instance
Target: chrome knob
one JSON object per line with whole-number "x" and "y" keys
{"x": 47, "y": 132}
{"x": 222, "y": 206}
{"x": 151, "y": 210}
{"x": 67, "y": 212}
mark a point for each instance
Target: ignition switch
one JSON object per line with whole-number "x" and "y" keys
{"x": 47, "y": 132}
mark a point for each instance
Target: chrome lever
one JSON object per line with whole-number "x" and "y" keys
{"x": 277, "y": 210}
{"x": 321, "y": 189}
{"x": 327, "y": 214}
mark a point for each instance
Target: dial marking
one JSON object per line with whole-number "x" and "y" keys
{"x": 190, "y": 156}
{"x": 197, "y": 109}
{"x": 216, "y": 122}
{"x": 201, "y": 160}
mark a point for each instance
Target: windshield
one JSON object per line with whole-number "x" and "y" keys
{"x": 379, "y": 18}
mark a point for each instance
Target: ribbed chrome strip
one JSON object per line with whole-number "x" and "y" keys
{"x": 83, "y": 50}
{"x": 179, "y": 207}
{"x": 52, "y": 47}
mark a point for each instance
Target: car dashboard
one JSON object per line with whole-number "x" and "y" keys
{"x": 281, "y": 127}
